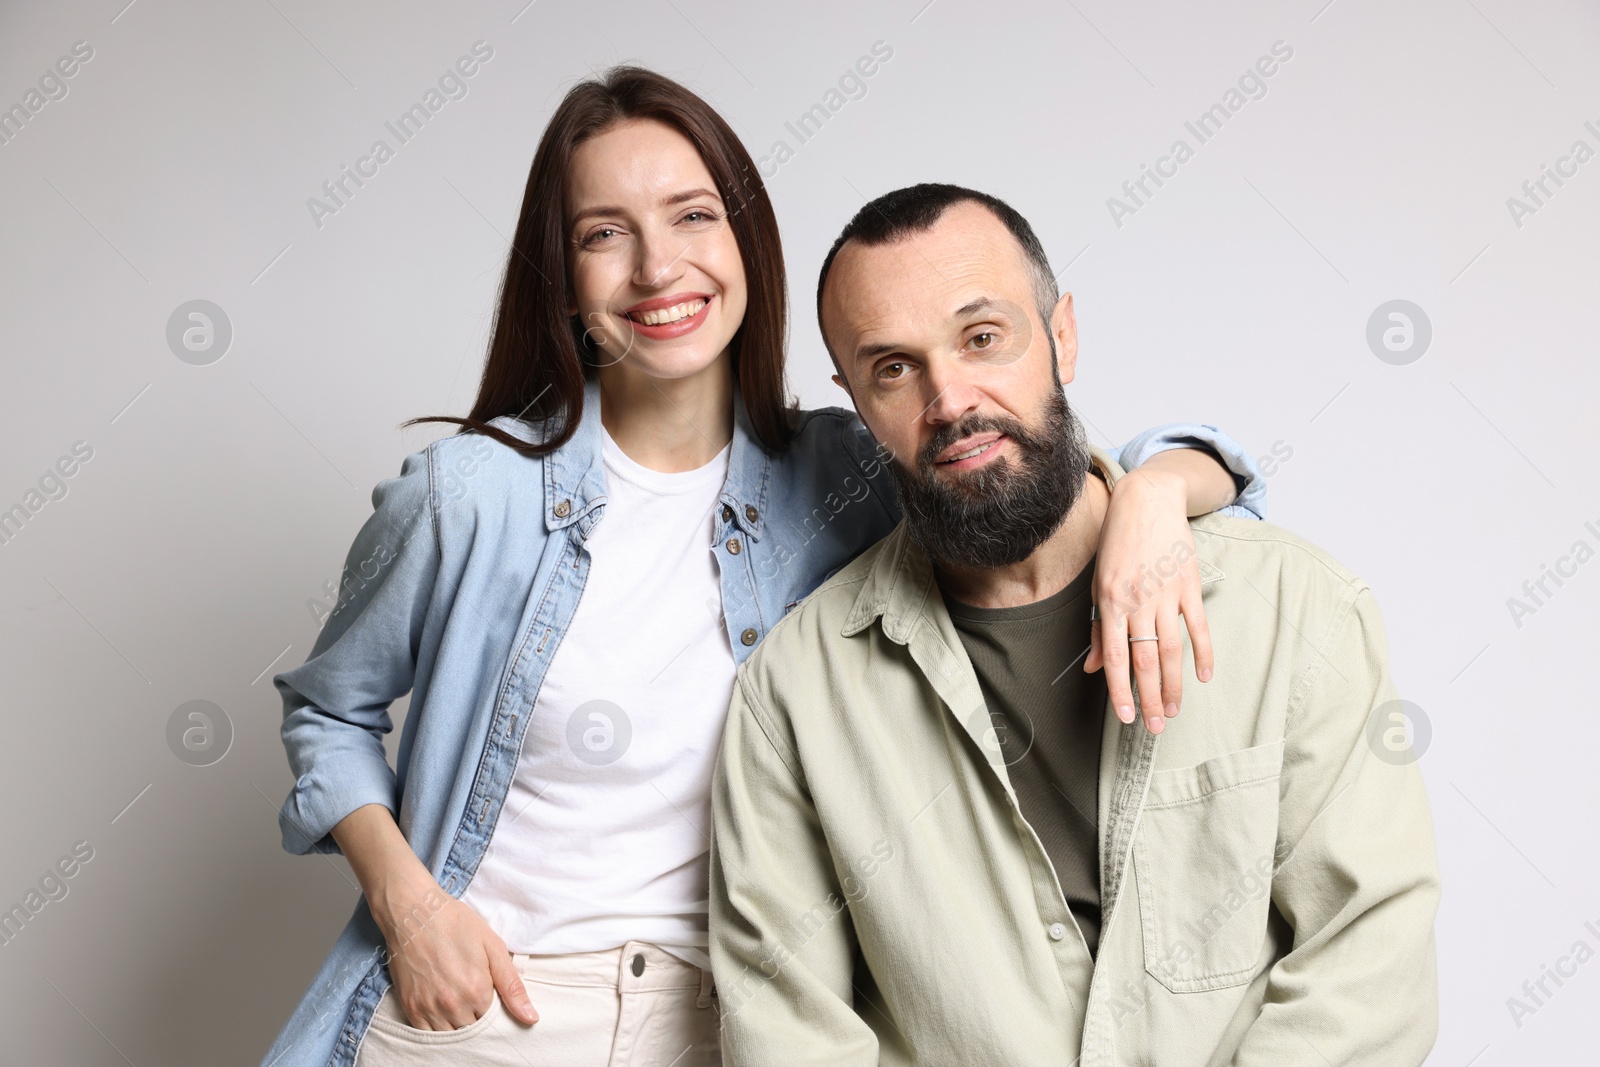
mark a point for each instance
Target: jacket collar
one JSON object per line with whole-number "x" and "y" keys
{"x": 749, "y": 473}
{"x": 575, "y": 481}
{"x": 901, "y": 580}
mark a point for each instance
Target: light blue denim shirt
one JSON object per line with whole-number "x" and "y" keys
{"x": 459, "y": 588}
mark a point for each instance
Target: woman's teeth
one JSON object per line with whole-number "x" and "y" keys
{"x": 662, "y": 316}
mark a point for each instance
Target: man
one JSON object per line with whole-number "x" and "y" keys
{"x": 935, "y": 841}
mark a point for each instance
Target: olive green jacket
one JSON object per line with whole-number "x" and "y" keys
{"x": 1267, "y": 871}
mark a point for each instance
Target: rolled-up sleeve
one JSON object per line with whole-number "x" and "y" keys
{"x": 336, "y": 703}
{"x": 1251, "y": 503}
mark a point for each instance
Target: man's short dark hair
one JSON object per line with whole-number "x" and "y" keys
{"x": 915, "y": 209}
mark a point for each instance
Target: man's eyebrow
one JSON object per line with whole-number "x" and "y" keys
{"x": 972, "y": 307}
{"x": 675, "y": 198}
{"x": 983, "y": 303}
{"x": 873, "y": 351}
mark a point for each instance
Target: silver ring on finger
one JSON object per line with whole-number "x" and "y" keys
{"x": 1131, "y": 640}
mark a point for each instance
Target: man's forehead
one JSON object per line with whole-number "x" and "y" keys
{"x": 967, "y": 234}
{"x": 966, "y": 255}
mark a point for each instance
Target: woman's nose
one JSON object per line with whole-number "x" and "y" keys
{"x": 660, "y": 260}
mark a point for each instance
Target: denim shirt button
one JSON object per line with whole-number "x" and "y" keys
{"x": 727, "y": 513}
{"x": 749, "y": 636}
{"x": 751, "y": 513}
{"x": 563, "y": 508}
{"x": 734, "y": 546}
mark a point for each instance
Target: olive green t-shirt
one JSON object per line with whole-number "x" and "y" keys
{"x": 1046, "y": 715}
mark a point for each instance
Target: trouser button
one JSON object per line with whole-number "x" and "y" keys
{"x": 638, "y": 964}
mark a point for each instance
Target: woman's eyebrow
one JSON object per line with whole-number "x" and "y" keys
{"x": 675, "y": 198}
{"x": 692, "y": 194}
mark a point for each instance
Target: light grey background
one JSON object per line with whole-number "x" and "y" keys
{"x": 219, "y": 498}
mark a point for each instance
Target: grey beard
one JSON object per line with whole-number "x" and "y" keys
{"x": 998, "y": 514}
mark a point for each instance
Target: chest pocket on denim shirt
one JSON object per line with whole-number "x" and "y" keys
{"x": 1204, "y": 858}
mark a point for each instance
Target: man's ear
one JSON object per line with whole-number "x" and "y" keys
{"x": 840, "y": 383}
{"x": 1064, "y": 327}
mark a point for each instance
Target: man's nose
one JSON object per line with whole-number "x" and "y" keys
{"x": 950, "y": 395}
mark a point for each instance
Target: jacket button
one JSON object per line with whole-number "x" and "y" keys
{"x": 751, "y": 513}
{"x": 1057, "y": 931}
{"x": 734, "y": 546}
{"x": 727, "y": 513}
{"x": 563, "y": 509}
{"x": 749, "y": 636}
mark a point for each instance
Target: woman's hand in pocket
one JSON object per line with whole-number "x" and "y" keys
{"x": 447, "y": 964}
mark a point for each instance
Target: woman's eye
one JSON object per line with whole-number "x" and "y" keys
{"x": 598, "y": 235}
{"x": 699, "y": 215}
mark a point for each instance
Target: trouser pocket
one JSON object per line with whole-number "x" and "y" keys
{"x": 391, "y": 1041}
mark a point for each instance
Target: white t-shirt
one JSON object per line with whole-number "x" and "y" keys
{"x": 605, "y": 833}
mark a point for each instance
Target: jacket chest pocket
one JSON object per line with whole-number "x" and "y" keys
{"x": 1203, "y": 857}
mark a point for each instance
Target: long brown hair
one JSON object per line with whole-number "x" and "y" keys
{"x": 535, "y": 362}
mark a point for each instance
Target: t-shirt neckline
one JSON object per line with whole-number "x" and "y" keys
{"x": 630, "y": 470}
{"x": 1061, "y": 598}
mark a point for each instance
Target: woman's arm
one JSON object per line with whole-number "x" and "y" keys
{"x": 1192, "y": 474}
{"x": 445, "y": 960}
{"x": 447, "y": 963}
{"x": 336, "y": 703}
{"x": 1226, "y": 453}
{"x": 1147, "y": 580}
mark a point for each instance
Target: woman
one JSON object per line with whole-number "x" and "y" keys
{"x": 567, "y": 590}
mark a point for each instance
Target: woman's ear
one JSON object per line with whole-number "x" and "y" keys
{"x": 1064, "y": 327}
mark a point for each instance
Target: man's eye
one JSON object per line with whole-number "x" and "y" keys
{"x": 892, "y": 371}
{"x": 982, "y": 340}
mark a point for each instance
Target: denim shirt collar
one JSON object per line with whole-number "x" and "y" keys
{"x": 575, "y": 482}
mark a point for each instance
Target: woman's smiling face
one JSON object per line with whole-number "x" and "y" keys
{"x": 658, "y": 281}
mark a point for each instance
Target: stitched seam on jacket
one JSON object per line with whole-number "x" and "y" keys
{"x": 1297, "y": 700}
{"x": 758, "y": 712}
{"x": 1211, "y": 793}
{"x": 433, "y": 501}
{"x": 1301, "y": 691}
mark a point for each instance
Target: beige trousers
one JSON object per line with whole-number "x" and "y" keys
{"x": 634, "y": 1006}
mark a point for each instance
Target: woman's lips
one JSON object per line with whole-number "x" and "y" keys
{"x": 662, "y": 331}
